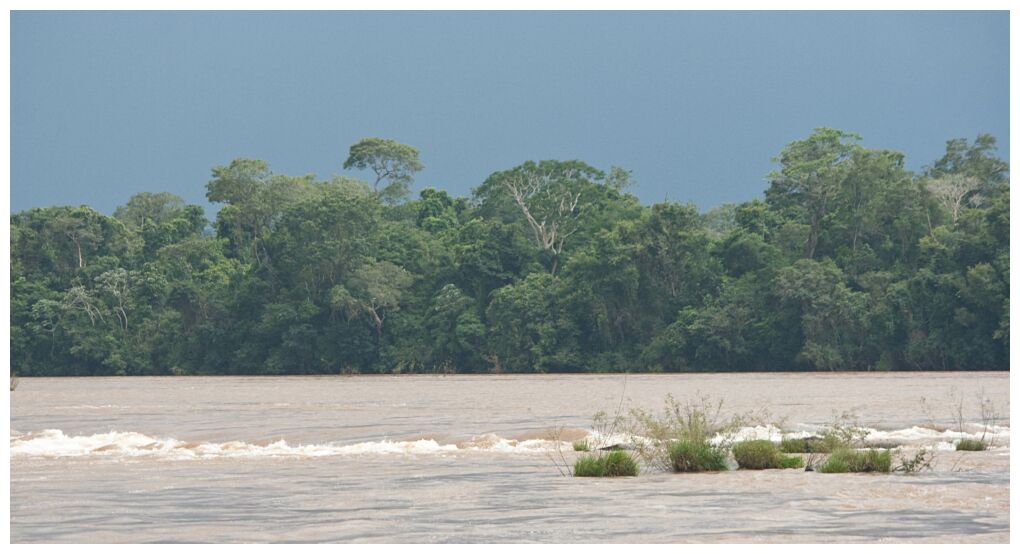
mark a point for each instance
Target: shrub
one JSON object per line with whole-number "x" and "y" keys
{"x": 581, "y": 446}
{"x": 971, "y": 445}
{"x": 763, "y": 454}
{"x": 690, "y": 456}
{"x": 613, "y": 464}
{"x": 845, "y": 460}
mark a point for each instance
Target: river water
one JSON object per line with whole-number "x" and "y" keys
{"x": 476, "y": 459}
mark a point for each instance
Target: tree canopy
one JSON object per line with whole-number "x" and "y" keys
{"x": 851, "y": 262}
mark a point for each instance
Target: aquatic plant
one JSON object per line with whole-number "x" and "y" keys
{"x": 923, "y": 460}
{"x": 689, "y": 427}
{"x": 687, "y": 456}
{"x": 763, "y": 454}
{"x": 846, "y": 460}
{"x": 988, "y": 415}
{"x": 971, "y": 445}
{"x": 617, "y": 463}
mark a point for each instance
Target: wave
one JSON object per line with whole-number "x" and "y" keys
{"x": 54, "y": 443}
{"x": 915, "y": 436}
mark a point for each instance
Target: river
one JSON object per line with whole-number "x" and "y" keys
{"x": 476, "y": 459}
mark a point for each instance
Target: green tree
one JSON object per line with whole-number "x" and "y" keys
{"x": 391, "y": 162}
{"x": 811, "y": 175}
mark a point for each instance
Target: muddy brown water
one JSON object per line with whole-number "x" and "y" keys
{"x": 467, "y": 459}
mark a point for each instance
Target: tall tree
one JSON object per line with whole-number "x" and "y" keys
{"x": 391, "y": 161}
{"x": 149, "y": 207}
{"x": 813, "y": 172}
{"x": 553, "y": 197}
{"x": 255, "y": 198}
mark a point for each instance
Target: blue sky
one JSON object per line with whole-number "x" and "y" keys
{"x": 104, "y": 105}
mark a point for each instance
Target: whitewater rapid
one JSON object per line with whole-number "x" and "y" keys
{"x": 55, "y": 443}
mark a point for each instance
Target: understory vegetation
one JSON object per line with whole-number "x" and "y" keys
{"x": 851, "y": 261}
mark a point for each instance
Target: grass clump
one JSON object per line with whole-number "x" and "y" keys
{"x": 687, "y": 456}
{"x": 791, "y": 462}
{"x": 971, "y": 445}
{"x": 581, "y": 445}
{"x": 614, "y": 464}
{"x": 845, "y": 460}
{"x": 763, "y": 454}
{"x": 688, "y": 435}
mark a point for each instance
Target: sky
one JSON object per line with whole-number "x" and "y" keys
{"x": 696, "y": 104}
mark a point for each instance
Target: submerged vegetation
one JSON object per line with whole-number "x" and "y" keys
{"x": 851, "y": 261}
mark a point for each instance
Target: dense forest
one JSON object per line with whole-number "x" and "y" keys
{"x": 850, "y": 262}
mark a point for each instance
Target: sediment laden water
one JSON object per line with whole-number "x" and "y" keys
{"x": 481, "y": 459}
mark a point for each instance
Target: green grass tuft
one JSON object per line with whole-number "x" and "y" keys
{"x": 691, "y": 456}
{"x": 763, "y": 454}
{"x": 791, "y": 462}
{"x": 845, "y": 460}
{"x": 581, "y": 446}
{"x": 971, "y": 445}
{"x": 614, "y": 464}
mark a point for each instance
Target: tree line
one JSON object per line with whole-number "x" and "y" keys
{"x": 851, "y": 262}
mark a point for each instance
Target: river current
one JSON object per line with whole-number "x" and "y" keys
{"x": 480, "y": 459}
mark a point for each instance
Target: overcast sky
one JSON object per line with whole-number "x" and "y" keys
{"x": 105, "y": 105}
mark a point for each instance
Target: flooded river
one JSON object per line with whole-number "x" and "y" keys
{"x": 473, "y": 459}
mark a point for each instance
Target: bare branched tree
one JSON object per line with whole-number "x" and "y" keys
{"x": 952, "y": 190}
{"x": 550, "y": 206}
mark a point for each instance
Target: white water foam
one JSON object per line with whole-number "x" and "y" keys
{"x": 912, "y": 436}
{"x": 54, "y": 443}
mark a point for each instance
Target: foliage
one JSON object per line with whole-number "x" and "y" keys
{"x": 687, "y": 456}
{"x": 851, "y": 262}
{"x": 923, "y": 460}
{"x": 971, "y": 445}
{"x": 846, "y": 460}
{"x": 763, "y": 454}
{"x": 390, "y": 161}
{"x": 612, "y": 464}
